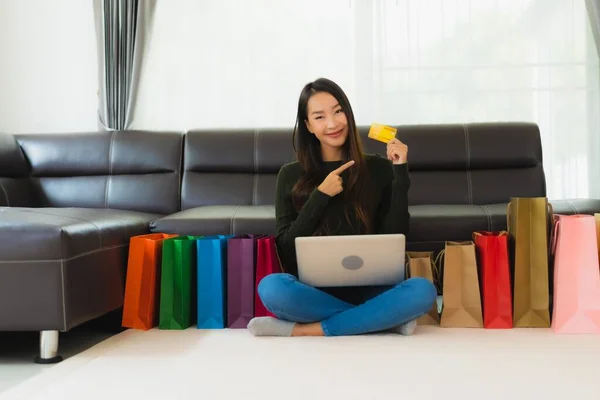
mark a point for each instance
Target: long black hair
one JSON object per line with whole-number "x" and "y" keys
{"x": 308, "y": 154}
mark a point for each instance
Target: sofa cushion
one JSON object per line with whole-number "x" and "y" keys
{"x": 430, "y": 225}
{"x": 474, "y": 163}
{"x": 64, "y": 233}
{"x": 439, "y": 223}
{"x": 497, "y": 212}
{"x": 576, "y": 206}
{"x": 125, "y": 170}
{"x": 217, "y": 173}
{"x": 428, "y": 222}
{"x": 216, "y": 220}
{"x": 62, "y": 267}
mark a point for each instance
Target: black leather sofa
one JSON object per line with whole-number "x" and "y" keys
{"x": 70, "y": 202}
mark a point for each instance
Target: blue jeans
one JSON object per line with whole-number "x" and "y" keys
{"x": 291, "y": 300}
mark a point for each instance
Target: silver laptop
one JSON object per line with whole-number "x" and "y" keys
{"x": 352, "y": 260}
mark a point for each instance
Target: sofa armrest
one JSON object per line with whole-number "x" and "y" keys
{"x": 17, "y": 192}
{"x": 12, "y": 160}
{"x": 4, "y": 196}
{"x": 16, "y": 189}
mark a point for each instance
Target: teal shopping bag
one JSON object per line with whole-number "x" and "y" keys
{"x": 178, "y": 283}
{"x": 212, "y": 282}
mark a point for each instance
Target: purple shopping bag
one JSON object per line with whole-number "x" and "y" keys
{"x": 241, "y": 267}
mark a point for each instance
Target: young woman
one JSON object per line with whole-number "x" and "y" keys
{"x": 335, "y": 189}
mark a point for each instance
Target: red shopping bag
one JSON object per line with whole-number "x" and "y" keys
{"x": 492, "y": 254}
{"x": 267, "y": 262}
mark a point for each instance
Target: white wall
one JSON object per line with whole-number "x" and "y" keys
{"x": 231, "y": 63}
{"x": 48, "y": 72}
{"x": 234, "y": 63}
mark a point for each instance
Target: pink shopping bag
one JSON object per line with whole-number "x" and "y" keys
{"x": 576, "y": 306}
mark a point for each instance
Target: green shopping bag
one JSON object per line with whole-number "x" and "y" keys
{"x": 178, "y": 283}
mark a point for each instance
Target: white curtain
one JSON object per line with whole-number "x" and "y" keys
{"x": 229, "y": 63}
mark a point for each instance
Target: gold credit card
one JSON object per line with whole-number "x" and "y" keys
{"x": 383, "y": 133}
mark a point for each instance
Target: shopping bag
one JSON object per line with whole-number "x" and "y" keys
{"x": 576, "y": 305}
{"x": 140, "y": 307}
{"x": 528, "y": 228}
{"x": 494, "y": 278}
{"x": 241, "y": 272}
{"x": 267, "y": 262}
{"x": 461, "y": 298}
{"x": 178, "y": 288}
{"x": 212, "y": 282}
{"x": 597, "y": 218}
{"x": 420, "y": 264}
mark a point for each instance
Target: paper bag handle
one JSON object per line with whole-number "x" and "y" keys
{"x": 437, "y": 270}
{"x": 554, "y": 237}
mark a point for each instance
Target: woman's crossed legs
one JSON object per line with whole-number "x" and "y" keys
{"x": 303, "y": 310}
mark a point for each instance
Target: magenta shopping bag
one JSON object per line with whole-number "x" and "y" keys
{"x": 241, "y": 272}
{"x": 267, "y": 262}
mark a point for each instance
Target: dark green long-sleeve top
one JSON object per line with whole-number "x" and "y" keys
{"x": 387, "y": 206}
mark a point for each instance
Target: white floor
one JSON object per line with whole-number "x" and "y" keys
{"x": 19, "y": 349}
{"x": 435, "y": 363}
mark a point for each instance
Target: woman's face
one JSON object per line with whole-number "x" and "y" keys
{"x": 326, "y": 120}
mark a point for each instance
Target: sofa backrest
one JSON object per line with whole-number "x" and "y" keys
{"x": 477, "y": 163}
{"x": 482, "y": 163}
{"x": 130, "y": 170}
{"x": 234, "y": 166}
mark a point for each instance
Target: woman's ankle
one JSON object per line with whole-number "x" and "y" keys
{"x": 314, "y": 329}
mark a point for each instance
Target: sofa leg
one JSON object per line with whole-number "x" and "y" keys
{"x": 48, "y": 348}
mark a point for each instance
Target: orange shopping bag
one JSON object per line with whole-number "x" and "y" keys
{"x": 576, "y": 307}
{"x": 140, "y": 309}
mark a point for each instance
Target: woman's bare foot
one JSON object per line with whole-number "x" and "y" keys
{"x": 313, "y": 329}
